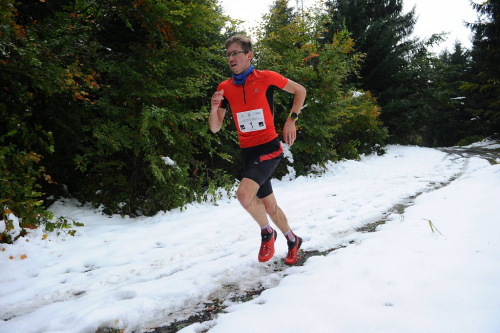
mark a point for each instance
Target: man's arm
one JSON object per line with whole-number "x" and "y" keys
{"x": 289, "y": 131}
{"x": 216, "y": 114}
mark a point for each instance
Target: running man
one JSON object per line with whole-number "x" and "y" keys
{"x": 250, "y": 94}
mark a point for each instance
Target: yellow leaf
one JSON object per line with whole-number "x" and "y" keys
{"x": 44, "y": 237}
{"x": 11, "y": 257}
{"x": 3, "y": 249}
{"x": 23, "y": 257}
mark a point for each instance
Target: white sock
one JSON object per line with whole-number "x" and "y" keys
{"x": 267, "y": 229}
{"x": 290, "y": 235}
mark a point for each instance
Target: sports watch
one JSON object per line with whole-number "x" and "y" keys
{"x": 293, "y": 115}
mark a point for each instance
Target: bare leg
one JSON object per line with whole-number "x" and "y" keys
{"x": 275, "y": 212}
{"x": 247, "y": 195}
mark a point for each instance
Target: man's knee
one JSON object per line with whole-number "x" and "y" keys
{"x": 271, "y": 210}
{"x": 242, "y": 198}
{"x": 245, "y": 197}
{"x": 271, "y": 205}
{"x": 246, "y": 193}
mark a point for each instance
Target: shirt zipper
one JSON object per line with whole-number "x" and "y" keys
{"x": 244, "y": 97}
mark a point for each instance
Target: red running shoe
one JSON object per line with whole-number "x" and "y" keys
{"x": 293, "y": 248}
{"x": 267, "y": 246}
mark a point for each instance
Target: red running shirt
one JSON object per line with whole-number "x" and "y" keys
{"x": 252, "y": 106}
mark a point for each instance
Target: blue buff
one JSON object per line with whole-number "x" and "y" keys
{"x": 241, "y": 78}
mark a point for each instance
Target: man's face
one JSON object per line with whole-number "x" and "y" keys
{"x": 240, "y": 61}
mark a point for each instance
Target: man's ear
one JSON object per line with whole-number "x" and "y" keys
{"x": 250, "y": 55}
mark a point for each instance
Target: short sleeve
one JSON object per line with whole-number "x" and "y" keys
{"x": 276, "y": 79}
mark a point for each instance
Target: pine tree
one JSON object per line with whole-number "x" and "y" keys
{"x": 396, "y": 68}
{"x": 381, "y": 31}
{"x": 107, "y": 90}
{"x": 336, "y": 123}
{"x": 280, "y": 15}
{"x": 486, "y": 64}
{"x": 450, "y": 121}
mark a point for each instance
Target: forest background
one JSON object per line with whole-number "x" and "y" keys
{"x": 107, "y": 101}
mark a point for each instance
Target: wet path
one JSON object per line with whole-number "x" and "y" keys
{"x": 231, "y": 294}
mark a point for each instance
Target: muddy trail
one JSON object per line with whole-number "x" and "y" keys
{"x": 231, "y": 294}
{"x": 491, "y": 155}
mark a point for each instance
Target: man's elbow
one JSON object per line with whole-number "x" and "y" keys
{"x": 215, "y": 129}
{"x": 298, "y": 89}
{"x": 302, "y": 91}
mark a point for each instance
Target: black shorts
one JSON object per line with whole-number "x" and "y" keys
{"x": 260, "y": 162}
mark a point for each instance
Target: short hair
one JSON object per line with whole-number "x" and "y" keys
{"x": 245, "y": 43}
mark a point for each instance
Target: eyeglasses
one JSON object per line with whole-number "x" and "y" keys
{"x": 234, "y": 54}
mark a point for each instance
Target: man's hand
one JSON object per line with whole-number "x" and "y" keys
{"x": 217, "y": 113}
{"x": 217, "y": 98}
{"x": 289, "y": 132}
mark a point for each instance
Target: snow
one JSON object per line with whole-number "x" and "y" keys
{"x": 168, "y": 160}
{"x": 486, "y": 143}
{"x": 141, "y": 273}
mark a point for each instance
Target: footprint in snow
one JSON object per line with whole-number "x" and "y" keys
{"x": 124, "y": 295}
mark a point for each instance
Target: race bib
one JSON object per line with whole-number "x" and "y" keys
{"x": 250, "y": 121}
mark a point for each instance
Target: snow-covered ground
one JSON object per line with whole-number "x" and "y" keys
{"x": 486, "y": 143}
{"x": 141, "y": 273}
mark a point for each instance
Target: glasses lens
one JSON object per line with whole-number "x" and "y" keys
{"x": 234, "y": 54}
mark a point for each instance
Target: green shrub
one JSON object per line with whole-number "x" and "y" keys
{"x": 470, "y": 140}
{"x": 334, "y": 124}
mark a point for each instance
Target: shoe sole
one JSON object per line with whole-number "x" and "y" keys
{"x": 298, "y": 248}
{"x": 272, "y": 254}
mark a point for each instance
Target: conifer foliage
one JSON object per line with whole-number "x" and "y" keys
{"x": 449, "y": 119}
{"x": 395, "y": 66}
{"x": 337, "y": 122}
{"x": 106, "y": 102}
{"x": 485, "y": 87}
